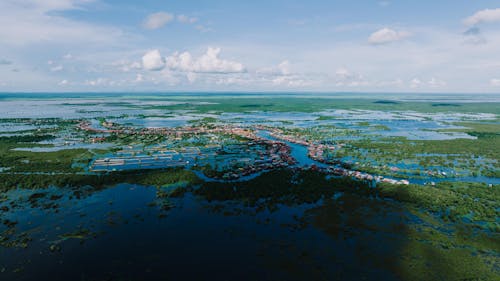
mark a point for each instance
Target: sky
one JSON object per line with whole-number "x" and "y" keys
{"x": 450, "y": 46}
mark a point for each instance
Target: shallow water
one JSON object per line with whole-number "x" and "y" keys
{"x": 247, "y": 229}
{"x": 131, "y": 240}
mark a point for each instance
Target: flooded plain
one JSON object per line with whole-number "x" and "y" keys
{"x": 123, "y": 187}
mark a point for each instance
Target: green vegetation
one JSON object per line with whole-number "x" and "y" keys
{"x": 279, "y": 104}
{"x": 415, "y": 158}
{"x": 145, "y": 177}
{"x": 326, "y": 118}
{"x": 204, "y": 120}
{"x": 273, "y": 188}
{"x": 438, "y": 231}
{"x": 428, "y": 236}
{"x": 451, "y": 201}
{"x": 11, "y": 140}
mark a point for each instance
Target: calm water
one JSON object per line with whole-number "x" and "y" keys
{"x": 126, "y": 232}
{"x": 444, "y": 97}
{"x": 132, "y": 239}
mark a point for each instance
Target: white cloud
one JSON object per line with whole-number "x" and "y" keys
{"x": 186, "y": 19}
{"x": 281, "y": 75}
{"x": 390, "y": 83}
{"x": 139, "y": 78}
{"x": 191, "y": 76}
{"x": 386, "y": 35}
{"x": 170, "y": 77}
{"x": 345, "y": 77}
{"x": 153, "y": 61}
{"x": 487, "y": 15}
{"x": 157, "y": 20}
{"x": 415, "y": 83}
{"x": 283, "y": 68}
{"x": 63, "y": 82}
{"x": 207, "y": 63}
{"x": 34, "y": 21}
{"x": 226, "y": 81}
{"x": 203, "y": 28}
{"x": 290, "y": 81}
{"x": 160, "y": 19}
{"x": 495, "y": 82}
{"x": 55, "y": 5}
{"x": 432, "y": 83}
{"x": 97, "y": 82}
{"x": 57, "y": 68}
{"x": 126, "y": 66}
{"x": 436, "y": 83}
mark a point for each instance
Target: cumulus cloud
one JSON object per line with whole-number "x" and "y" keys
{"x": 436, "y": 83}
{"x": 495, "y": 82}
{"x": 227, "y": 81}
{"x": 487, "y": 15}
{"x": 157, "y": 20}
{"x": 186, "y": 19}
{"x": 153, "y": 61}
{"x": 415, "y": 83}
{"x": 282, "y": 75}
{"x": 431, "y": 83}
{"x": 126, "y": 66}
{"x": 386, "y": 35}
{"x": 97, "y": 82}
{"x": 191, "y": 77}
{"x": 63, "y": 82}
{"x": 139, "y": 78}
{"x": 291, "y": 81}
{"x": 346, "y": 77}
{"x": 207, "y": 63}
{"x": 170, "y": 77}
{"x": 283, "y": 68}
{"x": 186, "y": 68}
{"x": 390, "y": 83}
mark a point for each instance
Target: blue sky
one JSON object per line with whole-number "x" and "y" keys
{"x": 274, "y": 45}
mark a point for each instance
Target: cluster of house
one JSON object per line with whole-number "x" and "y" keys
{"x": 315, "y": 152}
{"x": 359, "y": 175}
{"x": 87, "y": 126}
{"x": 178, "y": 132}
{"x": 277, "y": 154}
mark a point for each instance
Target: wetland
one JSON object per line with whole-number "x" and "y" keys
{"x": 247, "y": 186}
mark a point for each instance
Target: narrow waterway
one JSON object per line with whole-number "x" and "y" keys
{"x": 300, "y": 153}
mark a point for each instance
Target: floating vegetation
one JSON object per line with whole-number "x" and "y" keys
{"x": 356, "y": 189}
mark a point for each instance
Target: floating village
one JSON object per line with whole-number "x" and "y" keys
{"x": 229, "y": 160}
{"x": 271, "y": 181}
